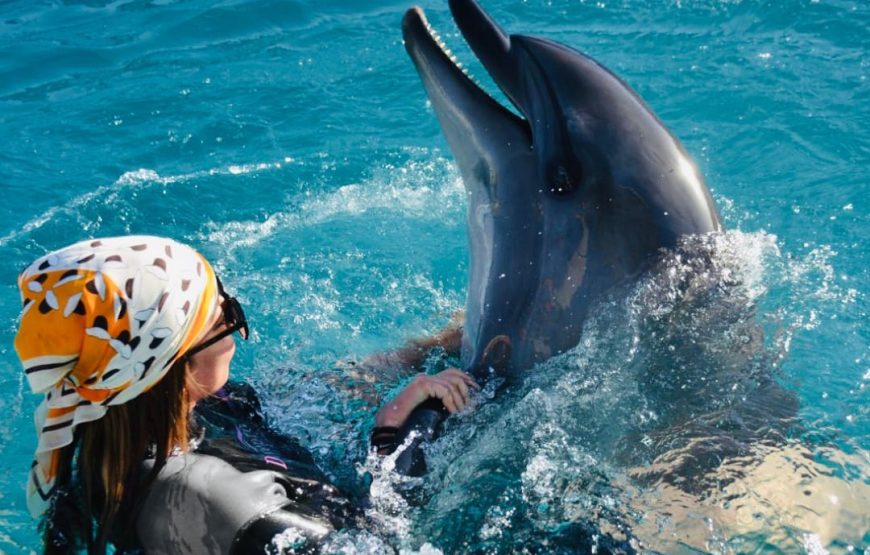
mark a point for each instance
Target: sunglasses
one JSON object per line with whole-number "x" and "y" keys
{"x": 234, "y": 320}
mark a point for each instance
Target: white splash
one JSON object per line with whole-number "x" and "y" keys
{"x": 135, "y": 178}
{"x": 428, "y": 189}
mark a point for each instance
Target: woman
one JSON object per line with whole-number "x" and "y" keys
{"x": 124, "y": 337}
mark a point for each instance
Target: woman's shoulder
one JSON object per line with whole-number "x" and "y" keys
{"x": 198, "y": 503}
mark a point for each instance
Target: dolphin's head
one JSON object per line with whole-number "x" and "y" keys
{"x": 566, "y": 201}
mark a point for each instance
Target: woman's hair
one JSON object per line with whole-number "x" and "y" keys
{"x": 100, "y": 482}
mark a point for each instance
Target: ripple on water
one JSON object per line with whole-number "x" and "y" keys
{"x": 707, "y": 458}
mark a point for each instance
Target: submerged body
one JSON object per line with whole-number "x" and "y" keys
{"x": 578, "y": 196}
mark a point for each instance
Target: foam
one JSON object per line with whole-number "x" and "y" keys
{"x": 141, "y": 177}
{"x": 419, "y": 189}
{"x": 571, "y": 421}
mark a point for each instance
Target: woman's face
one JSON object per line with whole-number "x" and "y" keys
{"x": 209, "y": 369}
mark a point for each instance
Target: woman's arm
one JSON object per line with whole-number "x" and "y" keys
{"x": 362, "y": 380}
{"x": 410, "y": 357}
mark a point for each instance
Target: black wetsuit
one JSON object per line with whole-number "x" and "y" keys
{"x": 236, "y": 432}
{"x": 243, "y": 484}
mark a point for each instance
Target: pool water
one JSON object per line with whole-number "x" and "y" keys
{"x": 291, "y": 142}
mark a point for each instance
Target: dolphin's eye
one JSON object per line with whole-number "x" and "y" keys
{"x": 561, "y": 180}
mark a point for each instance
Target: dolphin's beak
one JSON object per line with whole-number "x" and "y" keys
{"x": 466, "y": 112}
{"x": 434, "y": 62}
{"x": 490, "y": 44}
{"x": 524, "y": 68}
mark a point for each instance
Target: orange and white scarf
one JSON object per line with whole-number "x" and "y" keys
{"x": 103, "y": 321}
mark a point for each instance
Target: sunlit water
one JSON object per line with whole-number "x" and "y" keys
{"x": 718, "y": 408}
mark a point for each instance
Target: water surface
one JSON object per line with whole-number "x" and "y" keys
{"x": 292, "y": 143}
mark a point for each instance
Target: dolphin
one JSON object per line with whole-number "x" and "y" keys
{"x": 578, "y": 194}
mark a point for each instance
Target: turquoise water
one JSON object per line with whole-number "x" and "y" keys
{"x": 291, "y": 142}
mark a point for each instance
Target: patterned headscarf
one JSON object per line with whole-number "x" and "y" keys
{"x": 103, "y": 321}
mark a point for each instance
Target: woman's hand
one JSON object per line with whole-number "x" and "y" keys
{"x": 450, "y": 386}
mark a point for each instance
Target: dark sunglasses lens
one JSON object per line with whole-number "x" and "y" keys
{"x": 234, "y": 316}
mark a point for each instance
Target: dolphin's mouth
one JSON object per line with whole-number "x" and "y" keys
{"x": 442, "y": 71}
{"x": 416, "y": 29}
{"x": 425, "y": 44}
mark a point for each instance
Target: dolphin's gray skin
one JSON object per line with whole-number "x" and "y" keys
{"x": 574, "y": 198}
